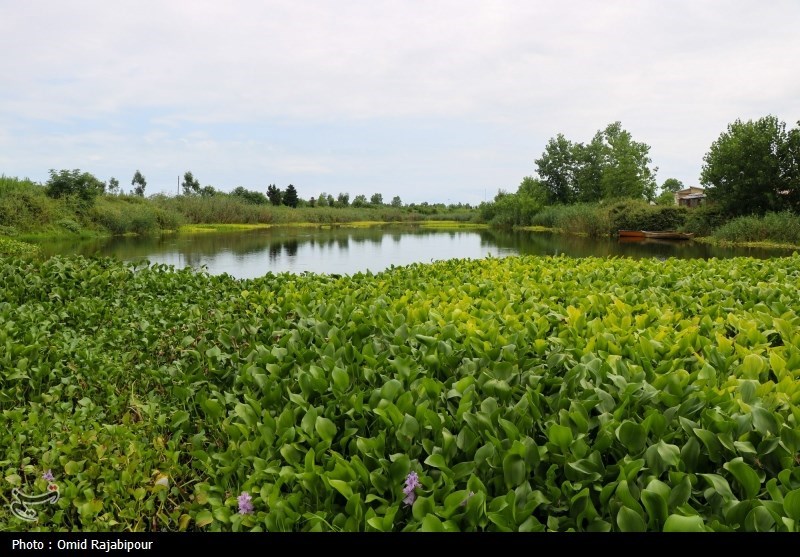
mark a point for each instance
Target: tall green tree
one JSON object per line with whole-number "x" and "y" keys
{"x": 611, "y": 165}
{"x": 556, "y": 168}
{"x": 396, "y": 201}
{"x": 190, "y": 184}
{"x": 376, "y": 199}
{"x": 274, "y": 194}
{"x": 343, "y": 200}
{"x": 752, "y": 167}
{"x": 627, "y": 172}
{"x": 113, "y": 186}
{"x": 322, "y": 201}
{"x": 139, "y": 184}
{"x": 290, "y": 196}
{"x": 360, "y": 201}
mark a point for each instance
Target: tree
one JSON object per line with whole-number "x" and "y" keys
{"x": 190, "y": 184}
{"x": 752, "y": 167}
{"x": 208, "y": 191}
{"x": 323, "y": 200}
{"x": 556, "y": 168}
{"x": 612, "y": 165}
{"x": 74, "y": 183}
{"x": 274, "y": 194}
{"x": 139, "y": 184}
{"x": 251, "y": 197}
{"x": 376, "y": 199}
{"x": 290, "y": 197}
{"x": 672, "y": 185}
{"x": 113, "y": 186}
{"x": 343, "y": 200}
{"x": 360, "y": 201}
{"x": 534, "y": 190}
{"x": 312, "y": 202}
{"x": 330, "y": 200}
{"x": 627, "y": 173}
{"x": 396, "y": 201}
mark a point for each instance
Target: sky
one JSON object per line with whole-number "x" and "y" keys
{"x": 437, "y": 101}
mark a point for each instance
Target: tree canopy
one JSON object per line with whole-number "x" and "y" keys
{"x": 190, "y": 184}
{"x": 82, "y": 185}
{"x": 612, "y": 165}
{"x": 139, "y": 184}
{"x": 754, "y": 167}
{"x": 290, "y": 196}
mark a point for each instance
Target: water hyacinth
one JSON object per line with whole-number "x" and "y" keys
{"x": 245, "y": 503}
{"x": 412, "y": 483}
{"x": 48, "y": 476}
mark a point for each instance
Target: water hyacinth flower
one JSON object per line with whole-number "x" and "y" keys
{"x": 245, "y": 503}
{"x": 412, "y": 483}
{"x": 48, "y": 476}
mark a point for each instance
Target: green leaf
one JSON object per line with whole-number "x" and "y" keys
{"x": 431, "y": 523}
{"x": 632, "y": 436}
{"x": 514, "y": 472}
{"x": 325, "y": 428}
{"x": 791, "y": 505}
{"x": 178, "y": 418}
{"x": 630, "y": 521}
{"x": 746, "y": 476}
{"x": 560, "y": 435}
{"x": 342, "y": 487}
{"x": 436, "y": 461}
{"x": 203, "y": 518}
{"x": 720, "y": 485}
{"x": 678, "y": 523}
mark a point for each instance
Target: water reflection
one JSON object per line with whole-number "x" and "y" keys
{"x": 348, "y": 250}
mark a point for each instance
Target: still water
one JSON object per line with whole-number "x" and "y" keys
{"x": 253, "y": 253}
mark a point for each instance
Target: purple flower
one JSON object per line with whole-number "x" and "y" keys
{"x": 245, "y": 503}
{"x": 412, "y": 483}
{"x": 48, "y": 476}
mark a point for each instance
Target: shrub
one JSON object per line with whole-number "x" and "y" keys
{"x": 781, "y": 227}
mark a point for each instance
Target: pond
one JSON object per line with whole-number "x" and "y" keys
{"x": 343, "y": 250}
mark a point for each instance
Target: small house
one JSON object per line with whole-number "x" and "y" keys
{"x": 690, "y": 197}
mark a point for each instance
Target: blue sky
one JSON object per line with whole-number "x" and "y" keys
{"x": 433, "y": 101}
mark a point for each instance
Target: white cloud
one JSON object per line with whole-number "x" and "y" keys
{"x": 130, "y": 82}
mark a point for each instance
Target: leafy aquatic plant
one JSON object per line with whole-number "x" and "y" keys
{"x": 522, "y": 393}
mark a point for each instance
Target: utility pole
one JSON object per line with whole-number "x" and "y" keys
{"x": 179, "y": 184}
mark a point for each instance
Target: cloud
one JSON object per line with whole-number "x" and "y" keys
{"x": 460, "y": 96}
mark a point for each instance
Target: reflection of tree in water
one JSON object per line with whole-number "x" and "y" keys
{"x": 274, "y": 250}
{"x": 195, "y": 249}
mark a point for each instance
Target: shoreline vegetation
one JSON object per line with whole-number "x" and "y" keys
{"x": 27, "y": 212}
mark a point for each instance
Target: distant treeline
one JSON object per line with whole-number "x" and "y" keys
{"x": 72, "y": 201}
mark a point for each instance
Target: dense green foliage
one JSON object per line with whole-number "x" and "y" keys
{"x": 10, "y": 248}
{"x": 754, "y": 167}
{"x": 73, "y": 183}
{"x": 775, "y": 227}
{"x": 611, "y": 166}
{"x": 26, "y": 207}
{"x": 526, "y": 393}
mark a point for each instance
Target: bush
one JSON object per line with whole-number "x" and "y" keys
{"x": 781, "y": 227}
{"x": 639, "y": 215}
{"x": 74, "y": 183}
{"x": 703, "y": 220}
